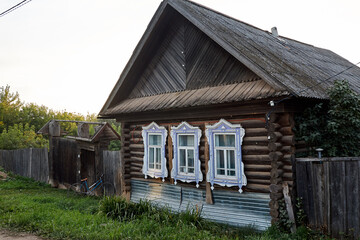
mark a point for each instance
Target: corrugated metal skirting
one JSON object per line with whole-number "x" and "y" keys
{"x": 229, "y": 207}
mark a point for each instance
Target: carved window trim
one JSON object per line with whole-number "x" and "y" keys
{"x": 224, "y": 127}
{"x": 186, "y": 129}
{"x": 154, "y": 129}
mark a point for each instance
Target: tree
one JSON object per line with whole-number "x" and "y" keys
{"x": 21, "y": 136}
{"x": 10, "y": 106}
{"x": 335, "y": 126}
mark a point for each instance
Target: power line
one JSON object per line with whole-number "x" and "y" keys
{"x": 20, "y": 4}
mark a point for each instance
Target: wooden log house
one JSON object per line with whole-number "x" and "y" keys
{"x": 207, "y": 106}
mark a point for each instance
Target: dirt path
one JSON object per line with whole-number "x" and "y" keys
{"x": 10, "y": 235}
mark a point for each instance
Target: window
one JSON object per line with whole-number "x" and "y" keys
{"x": 186, "y": 163}
{"x": 225, "y": 159}
{"x": 154, "y": 164}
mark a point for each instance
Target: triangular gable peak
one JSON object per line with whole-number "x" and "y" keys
{"x": 284, "y": 64}
{"x": 186, "y": 59}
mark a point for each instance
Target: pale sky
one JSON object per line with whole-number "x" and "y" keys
{"x": 68, "y": 54}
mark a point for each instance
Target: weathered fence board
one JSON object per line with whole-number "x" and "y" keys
{"x": 330, "y": 193}
{"x": 112, "y": 169}
{"x": 32, "y": 162}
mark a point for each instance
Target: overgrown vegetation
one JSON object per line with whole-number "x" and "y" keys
{"x": 35, "y": 207}
{"x": 26, "y": 205}
{"x": 334, "y": 127}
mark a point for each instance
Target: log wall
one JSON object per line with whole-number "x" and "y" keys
{"x": 255, "y": 150}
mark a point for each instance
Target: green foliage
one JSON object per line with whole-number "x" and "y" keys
{"x": 21, "y": 136}
{"x": 10, "y": 105}
{"x": 27, "y": 205}
{"x": 115, "y": 145}
{"x": 334, "y": 127}
{"x": 19, "y": 122}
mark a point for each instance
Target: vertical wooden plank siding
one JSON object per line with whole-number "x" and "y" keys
{"x": 330, "y": 193}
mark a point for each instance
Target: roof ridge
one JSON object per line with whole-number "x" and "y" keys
{"x": 242, "y": 22}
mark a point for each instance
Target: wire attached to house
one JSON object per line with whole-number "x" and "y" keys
{"x": 274, "y": 103}
{"x": 20, "y": 4}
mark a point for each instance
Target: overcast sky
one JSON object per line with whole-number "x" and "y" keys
{"x": 68, "y": 54}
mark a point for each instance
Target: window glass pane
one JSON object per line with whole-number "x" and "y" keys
{"x": 230, "y": 156}
{"x": 186, "y": 140}
{"x": 155, "y": 140}
{"x": 231, "y": 172}
{"x": 151, "y": 157}
{"x": 158, "y": 158}
{"x": 190, "y": 170}
{"x": 220, "y": 162}
{"x": 224, "y": 140}
{"x": 221, "y": 172}
{"x": 190, "y": 156}
{"x": 182, "y": 157}
{"x": 182, "y": 169}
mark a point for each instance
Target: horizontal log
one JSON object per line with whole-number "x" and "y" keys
{"x": 287, "y": 168}
{"x": 127, "y": 176}
{"x": 275, "y": 173}
{"x": 256, "y": 158}
{"x": 136, "y": 174}
{"x": 253, "y": 132}
{"x": 259, "y": 181}
{"x": 275, "y": 156}
{"x": 257, "y": 187}
{"x": 137, "y": 153}
{"x": 257, "y": 140}
{"x": 287, "y": 149}
{"x": 274, "y": 146}
{"x": 261, "y": 150}
{"x": 285, "y": 120}
{"x": 136, "y": 146}
{"x": 286, "y": 130}
{"x": 272, "y": 127}
{"x": 137, "y": 159}
{"x": 135, "y": 169}
{"x": 288, "y": 175}
{"x": 288, "y": 140}
{"x": 257, "y": 175}
{"x": 257, "y": 168}
{"x": 252, "y": 124}
{"x": 276, "y": 188}
{"x": 136, "y": 164}
{"x": 274, "y": 136}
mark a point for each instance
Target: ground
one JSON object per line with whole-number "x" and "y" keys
{"x": 9, "y": 235}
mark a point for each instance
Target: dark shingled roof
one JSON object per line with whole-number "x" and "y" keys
{"x": 286, "y": 65}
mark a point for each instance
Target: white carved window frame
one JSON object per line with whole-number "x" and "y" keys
{"x": 224, "y": 127}
{"x": 154, "y": 129}
{"x": 186, "y": 129}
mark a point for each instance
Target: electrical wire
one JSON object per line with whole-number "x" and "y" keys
{"x": 20, "y": 4}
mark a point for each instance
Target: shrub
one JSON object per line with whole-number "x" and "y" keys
{"x": 335, "y": 126}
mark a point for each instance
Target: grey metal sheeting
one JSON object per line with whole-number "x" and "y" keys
{"x": 231, "y": 208}
{"x": 258, "y": 89}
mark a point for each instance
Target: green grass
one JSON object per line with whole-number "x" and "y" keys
{"x": 26, "y": 205}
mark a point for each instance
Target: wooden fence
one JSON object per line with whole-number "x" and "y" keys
{"x": 330, "y": 192}
{"x": 31, "y": 162}
{"x": 112, "y": 169}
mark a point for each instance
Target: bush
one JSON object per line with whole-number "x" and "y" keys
{"x": 335, "y": 126}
